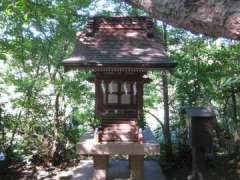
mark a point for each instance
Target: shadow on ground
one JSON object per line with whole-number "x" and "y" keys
{"x": 118, "y": 170}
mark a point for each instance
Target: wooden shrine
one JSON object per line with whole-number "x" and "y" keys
{"x": 119, "y": 51}
{"x": 200, "y": 121}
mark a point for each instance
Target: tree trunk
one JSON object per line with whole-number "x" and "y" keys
{"x": 234, "y": 107}
{"x": 2, "y": 126}
{"x": 56, "y": 158}
{"x": 216, "y": 18}
{"x": 166, "y": 128}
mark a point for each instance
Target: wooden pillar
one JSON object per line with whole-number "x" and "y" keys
{"x": 199, "y": 166}
{"x": 137, "y": 167}
{"x": 100, "y": 167}
{"x": 129, "y": 161}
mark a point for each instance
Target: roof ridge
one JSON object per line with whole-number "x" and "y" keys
{"x": 97, "y": 23}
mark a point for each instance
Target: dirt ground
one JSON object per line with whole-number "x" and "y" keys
{"x": 221, "y": 168}
{"x": 118, "y": 169}
{"x": 22, "y": 171}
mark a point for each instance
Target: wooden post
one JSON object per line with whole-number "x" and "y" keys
{"x": 137, "y": 167}
{"x": 199, "y": 166}
{"x": 129, "y": 161}
{"x": 100, "y": 167}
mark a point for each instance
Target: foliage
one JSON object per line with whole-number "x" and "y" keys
{"x": 36, "y": 37}
{"x": 45, "y": 110}
{"x": 207, "y": 74}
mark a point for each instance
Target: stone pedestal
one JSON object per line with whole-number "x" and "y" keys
{"x": 137, "y": 167}
{"x": 102, "y": 151}
{"x": 100, "y": 167}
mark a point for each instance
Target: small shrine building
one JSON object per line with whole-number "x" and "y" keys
{"x": 119, "y": 51}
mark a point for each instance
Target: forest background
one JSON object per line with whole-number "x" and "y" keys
{"x": 44, "y": 111}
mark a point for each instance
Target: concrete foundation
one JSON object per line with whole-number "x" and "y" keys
{"x": 118, "y": 170}
{"x": 102, "y": 150}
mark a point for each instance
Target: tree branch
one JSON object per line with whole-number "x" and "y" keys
{"x": 155, "y": 117}
{"x": 216, "y": 18}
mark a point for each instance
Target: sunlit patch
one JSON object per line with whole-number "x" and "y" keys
{"x": 131, "y": 34}
{"x": 137, "y": 51}
{"x": 78, "y": 34}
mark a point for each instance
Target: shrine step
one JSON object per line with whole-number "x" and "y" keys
{"x": 122, "y": 131}
{"x": 119, "y": 137}
{"x": 118, "y": 127}
{"x": 118, "y": 130}
{"x": 130, "y": 122}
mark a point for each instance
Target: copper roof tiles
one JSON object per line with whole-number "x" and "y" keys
{"x": 121, "y": 42}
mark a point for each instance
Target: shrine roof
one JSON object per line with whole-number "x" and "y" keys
{"x": 200, "y": 112}
{"x": 119, "y": 42}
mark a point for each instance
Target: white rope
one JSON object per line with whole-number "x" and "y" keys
{"x": 125, "y": 88}
{"x": 135, "y": 88}
{"x": 103, "y": 87}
